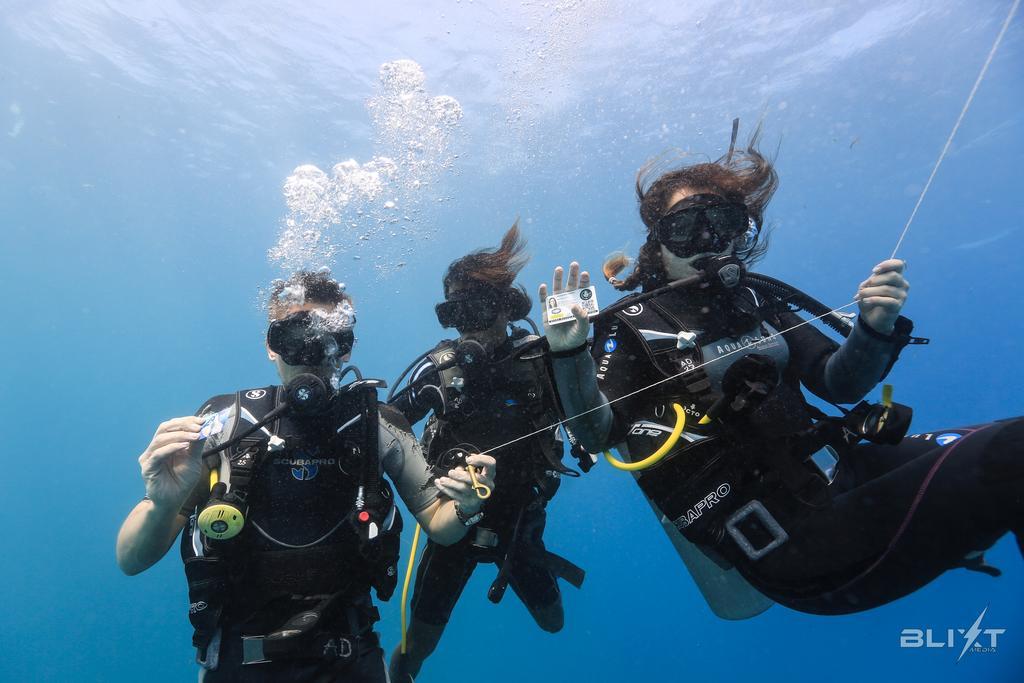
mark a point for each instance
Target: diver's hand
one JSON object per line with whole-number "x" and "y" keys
{"x": 572, "y": 335}
{"x": 172, "y": 463}
{"x": 881, "y": 296}
{"x": 458, "y": 485}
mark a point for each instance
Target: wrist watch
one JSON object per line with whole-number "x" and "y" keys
{"x": 468, "y": 520}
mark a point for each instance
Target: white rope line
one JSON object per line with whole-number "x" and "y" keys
{"x": 956, "y": 126}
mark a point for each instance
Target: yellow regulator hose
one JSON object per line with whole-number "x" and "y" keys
{"x": 657, "y": 456}
{"x": 405, "y": 584}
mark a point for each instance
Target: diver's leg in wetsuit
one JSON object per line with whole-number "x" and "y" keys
{"x": 1001, "y": 466}
{"x": 533, "y": 582}
{"x": 440, "y": 580}
{"x": 891, "y": 530}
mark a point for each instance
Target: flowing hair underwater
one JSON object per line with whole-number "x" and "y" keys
{"x": 741, "y": 175}
{"x": 496, "y": 268}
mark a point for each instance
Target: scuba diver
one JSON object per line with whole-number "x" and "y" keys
{"x": 479, "y": 397}
{"x": 287, "y": 521}
{"x": 765, "y": 497}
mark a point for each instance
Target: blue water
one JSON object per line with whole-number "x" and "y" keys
{"x": 143, "y": 148}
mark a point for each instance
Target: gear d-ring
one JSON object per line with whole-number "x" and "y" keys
{"x": 657, "y": 456}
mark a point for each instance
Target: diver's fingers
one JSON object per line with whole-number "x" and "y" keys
{"x": 158, "y": 456}
{"x": 486, "y": 467}
{"x": 483, "y": 462}
{"x": 453, "y": 488}
{"x": 574, "y": 276}
{"x": 460, "y": 474}
{"x": 885, "y": 302}
{"x": 556, "y": 281}
{"x": 888, "y": 278}
{"x": 542, "y": 295}
{"x": 890, "y": 265}
{"x": 483, "y": 477}
{"x": 190, "y": 423}
{"x": 885, "y": 291}
{"x": 584, "y": 280}
{"x": 161, "y": 440}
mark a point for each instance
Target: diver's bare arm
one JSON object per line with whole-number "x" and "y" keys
{"x": 441, "y": 519}
{"x": 171, "y": 467}
{"x": 441, "y": 523}
{"x": 146, "y": 535}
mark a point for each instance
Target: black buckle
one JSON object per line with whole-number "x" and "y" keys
{"x": 771, "y": 525}
{"x": 330, "y": 646}
{"x": 826, "y": 461}
{"x": 252, "y": 650}
{"x": 484, "y": 538}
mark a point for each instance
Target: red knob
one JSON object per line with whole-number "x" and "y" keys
{"x": 364, "y": 516}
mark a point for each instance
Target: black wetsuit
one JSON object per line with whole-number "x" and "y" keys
{"x": 893, "y": 519}
{"x": 496, "y": 403}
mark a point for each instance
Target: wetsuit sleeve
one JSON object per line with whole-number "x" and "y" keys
{"x": 576, "y": 379}
{"x": 421, "y": 395}
{"x": 586, "y": 383}
{"x": 624, "y": 370}
{"x": 402, "y": 460}
{"x": 840, "y": 374}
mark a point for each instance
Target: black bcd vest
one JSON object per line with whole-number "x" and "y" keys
{"x": 356, "y": 549}
{"x": 709, "y": 474}
{"x": 494, "y": 403}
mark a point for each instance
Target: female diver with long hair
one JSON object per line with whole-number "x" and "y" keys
{"x": 478, "y": 393}
{"x": 826, "y": 515}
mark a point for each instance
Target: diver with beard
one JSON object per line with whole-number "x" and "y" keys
{"x": 285, "y": 517}
{"x": 762, "y": 494}
{"x": 480, "y": 393}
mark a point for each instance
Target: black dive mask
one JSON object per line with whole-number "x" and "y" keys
{"x": 476, "y": 311}
{"x": 307, "y": 338}
{"x": 702, "y": 224}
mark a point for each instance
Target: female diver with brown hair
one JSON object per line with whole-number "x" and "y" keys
{"x": 826, "y": 515}
{"x": 480, "y": 394}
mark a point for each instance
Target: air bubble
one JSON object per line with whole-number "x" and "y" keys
{"x": 413, "y": 134}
